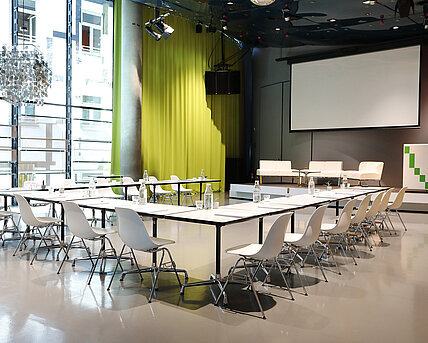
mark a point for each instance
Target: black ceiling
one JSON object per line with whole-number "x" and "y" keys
{"x": 314, "y": 25}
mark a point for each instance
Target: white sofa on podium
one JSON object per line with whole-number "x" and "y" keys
{"x": 276, "y": 168}
{"x": 367, "y": 171}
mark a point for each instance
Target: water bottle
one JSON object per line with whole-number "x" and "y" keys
{"x": 311, "y": 186}
{"x": 257, "y": 192}
{"x": 344, "y": 182}
{"x": 208, "y": 198}
{"x": 142, "y": 194}
{"x": 203, "y": 175}
{"x": 146, "y": 176}
{"x": 91, "y": 191}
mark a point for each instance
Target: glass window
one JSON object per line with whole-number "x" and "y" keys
{"x": 41, "y": 130}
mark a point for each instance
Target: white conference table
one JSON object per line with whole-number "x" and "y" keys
{"x": 218, "y": 218}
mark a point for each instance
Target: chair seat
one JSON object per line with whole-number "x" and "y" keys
{"x": 161, "y": 241}
{"x": 292, "y": 237}
{"x": 328, "y": 227}
{"x": 185, "y": 190}
{"x": 104, "y": 231}
{"x": 4, "y": 214}
{"x": 245, "y": 250}
{"x": 48, "y": 220}
{"x": 163, "y": 191}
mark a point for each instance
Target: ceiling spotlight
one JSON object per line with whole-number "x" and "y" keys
{"x": 426, "y": 24}
{"x": 229, "y": 3}
{"x": 152, "y": 33}
{"x": 164, "y": 29}
{"x": 369, "y": 2}
{"x": 223, "y": 24}
{"x": 332, "y": 20}
{"x": 395, "y": 27}
{"x": 277, "y": 29}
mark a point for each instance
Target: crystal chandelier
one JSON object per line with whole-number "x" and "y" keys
{"x": 24, "y": 75}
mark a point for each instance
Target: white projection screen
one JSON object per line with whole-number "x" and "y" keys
{"x": 378, "y": 89}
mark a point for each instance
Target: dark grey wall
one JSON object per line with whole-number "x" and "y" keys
{"x": 272, "y": 140}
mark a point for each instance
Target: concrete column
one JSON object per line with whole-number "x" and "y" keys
{"x": 132, "y": 26}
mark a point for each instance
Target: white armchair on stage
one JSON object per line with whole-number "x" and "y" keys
{"x": 367, "y": 171}
{"x": 276, "y": 168}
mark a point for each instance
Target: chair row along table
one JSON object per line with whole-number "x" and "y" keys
{"x": 218, "y": 218}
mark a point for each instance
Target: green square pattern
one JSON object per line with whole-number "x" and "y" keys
{"x": 417, "y": 171}
{"x": 422, "y": 178}
{"x": 406, "y": 149}
{"x": 411, "y": 160}
{"x": 426, "y": 185}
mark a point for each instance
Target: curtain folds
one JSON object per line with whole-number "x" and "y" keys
{"x": 183, "y": 130}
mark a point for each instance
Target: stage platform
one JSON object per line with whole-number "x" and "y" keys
{"x": 413, "y": 202}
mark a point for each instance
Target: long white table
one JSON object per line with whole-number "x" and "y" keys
{"x": 218, "y": 218}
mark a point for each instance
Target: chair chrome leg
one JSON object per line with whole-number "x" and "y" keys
{"x": 254, "y": 291}
{"x": 223, "y": 289}
{"x": 297, "y": 271}
{"x": 349, "y": 248}
{"x": 318, "y": 262}
{"x": 402, "y": 222}
{"x": 332, "y": 256}
{"x": 95, "y": 265}
{"x": 283, "y": 278}
{"x": 66, "y": 254}
{"x": 21, "y": 241}
{"x": 115, "y": 268}
{"x": 173, "y": 266}
{"x": 157, "y": 271}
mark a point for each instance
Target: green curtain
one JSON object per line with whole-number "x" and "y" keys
{"x": 117, "y": 51}
{"x": 183, "y": 129}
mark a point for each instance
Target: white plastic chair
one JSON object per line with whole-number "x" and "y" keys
{"x": 381, "y": 216}
{"x": 6, "y": 216}
{"x": 298, "y": 241}
{"x": 339, "y": 230}
{"x": 36, "y": 224}
{"x": 159, "y": 191}
{"x": 358, "y": 218}
{"x": 370, "y": 220}
{"x": 133, "y": 190}
{"x": 260, "y": 253}
{"x": 133, "y": 234}
{"x": 106, "y": 192}
{"x": 80, "y": 228}
{"x": 187, "y": 192}
{"x": 395, "y": 205}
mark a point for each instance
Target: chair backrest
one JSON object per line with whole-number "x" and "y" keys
{"x": 26, "y": 212}
{"x": 313, "y": 227}
{"x": 159, "y": 189}
{"x": 174, "y": 178}
{"x": 76, "y": 221}
{"x": 374, "y": 208}
{"x": 385, "y": 200}
{"x": 372, "y": 167}
{"x": 398, "y": 201}
{"x": 275, "y": 165}
{"x": 362, "y": 210}
{"x": 132, "y": 230}
{"x": 326, "y": 165}
{"x": 105, "y": 192}
{"x": 133, "y": 190}
{"x": 345, "y": 218}
{"x": 272, "y": 245}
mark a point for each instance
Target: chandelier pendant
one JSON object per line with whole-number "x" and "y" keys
{"x": 24, "y": 75}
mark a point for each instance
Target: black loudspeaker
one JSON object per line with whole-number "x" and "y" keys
{"x": 223, "y": 82}
{"x": 198, "y": 28}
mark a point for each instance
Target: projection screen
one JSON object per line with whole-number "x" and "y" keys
{"x": 378, "y": 89}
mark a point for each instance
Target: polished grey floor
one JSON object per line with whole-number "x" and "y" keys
{"x": 384, "y": 297}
